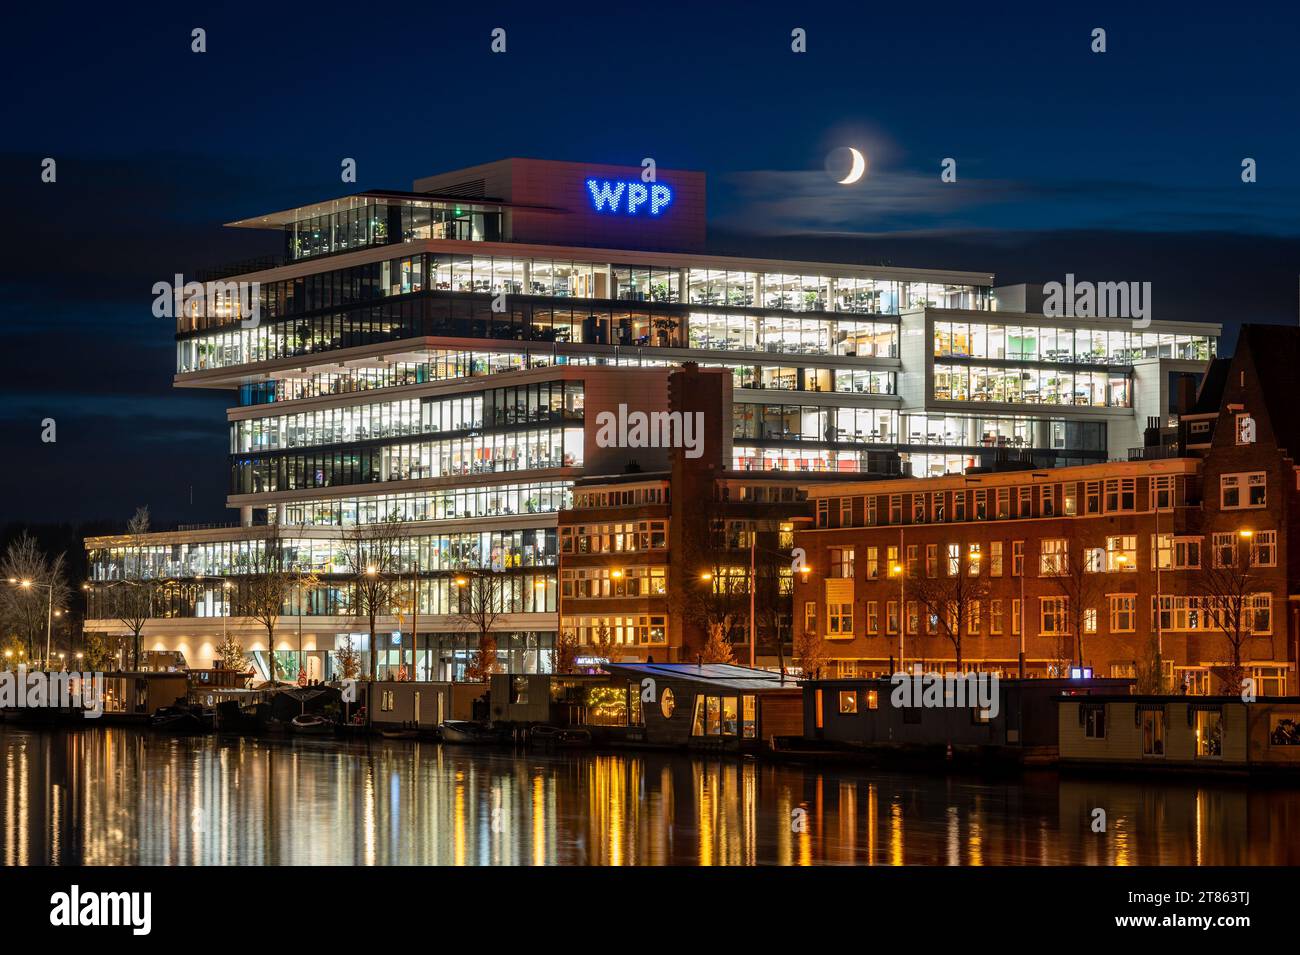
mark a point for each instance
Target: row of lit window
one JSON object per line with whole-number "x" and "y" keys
{"x": 1170, "y": 614}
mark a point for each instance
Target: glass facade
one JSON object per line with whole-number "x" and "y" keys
{"x": 595, "y": 323}
{"x": 497, "y": 550}
{"x": 1032, "y": 386}
{"x": 519, "y": 592}
{"x": 443, "y": 504}
{"x": 533, "y": 449}
{"x": 801, "y": 423}
{"x": 445, "y": 295}
{"x": 1117, "y": 345}
{"x": 393, "y": 220}
{"x": 543, "y": 402}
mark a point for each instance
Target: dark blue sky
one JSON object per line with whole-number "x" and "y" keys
{"x": 1124, "y": 165}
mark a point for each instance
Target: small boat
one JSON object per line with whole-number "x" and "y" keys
{"x": 179, "y": 719}
{"x": 400, "y": 734}
{"x": 309, "y": 724}
{"x": 474, "y": 734}
{"x": 559, "y": 736}
{"x": 234, "y": 718}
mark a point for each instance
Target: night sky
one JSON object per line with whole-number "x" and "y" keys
{"x": 1117, "y": 166}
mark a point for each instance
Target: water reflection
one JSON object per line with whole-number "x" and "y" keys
{"x": 106, "y": 795}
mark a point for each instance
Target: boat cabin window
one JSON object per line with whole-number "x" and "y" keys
{"x": 716, "y": 716}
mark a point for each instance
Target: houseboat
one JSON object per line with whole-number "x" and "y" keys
{"x": 1198, "y": 734}
{"x": 1010, "y": 721}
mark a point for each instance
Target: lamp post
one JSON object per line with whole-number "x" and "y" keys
{"x": 973, "y": 570}
{"x": 398, "y": 612}
{"x": 1246, "y": 536}
{"x": 372, "y": 572}
{"x": 26, "y": 584}
{"x": 753, "y": 591}
{"x": 225, "y": 615}
{"x": 896, "y": 570}
{"x": 1022, "y": 608}
{"x": 1160, "y": 648}
{"x": 707, "y": 577}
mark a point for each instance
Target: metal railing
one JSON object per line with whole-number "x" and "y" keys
{"x": 1154, "y": 452}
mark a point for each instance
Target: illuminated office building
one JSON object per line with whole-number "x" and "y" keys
{"x": 439, "y": 356}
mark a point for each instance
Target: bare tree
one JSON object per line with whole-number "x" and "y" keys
{"x": 950, "y": 600}
{"x": 480, "y": 600}
{"x": 373, "y": 555}
{"x": 35, "y": 584}
{"x": 132, "y": 595}
{"x": 774, "y": 601}
{"x": 1146, "y": 669}
{"x": 1078, "y": 578}
{"x": 263, "y": 594}
{"x": 716, "y": 594}
{"x": 1228, "y": 587}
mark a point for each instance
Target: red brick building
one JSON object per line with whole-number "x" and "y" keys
{"x": 655, "y": 558}
{"x": 1100, "y": 565}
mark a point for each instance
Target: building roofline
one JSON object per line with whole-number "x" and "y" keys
{"x": 1080, "y": 472}
{"x": 281, "y": 217}
{"x": 597, "y": 253}
{"x": 992, "y": 316}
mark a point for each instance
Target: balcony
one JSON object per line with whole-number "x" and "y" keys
{"x": 1155, "y": 452}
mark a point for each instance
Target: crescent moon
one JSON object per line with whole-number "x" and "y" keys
{"x": 859, "y": 167}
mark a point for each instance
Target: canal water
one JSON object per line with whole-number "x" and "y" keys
{"x": 112, "y": 796}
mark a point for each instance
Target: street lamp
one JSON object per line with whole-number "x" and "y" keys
{"x": 896, "y": 570}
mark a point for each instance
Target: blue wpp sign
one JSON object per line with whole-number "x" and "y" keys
{"x": 629, "y": 198}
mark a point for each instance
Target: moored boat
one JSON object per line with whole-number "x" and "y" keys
{"x": 470, "y": 733}
{"x": 559, "y": 736}
{"x": 180, "y": 719}
{"x": 309, "y": 724}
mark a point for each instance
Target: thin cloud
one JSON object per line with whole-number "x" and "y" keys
{"x": 790, "y": 202}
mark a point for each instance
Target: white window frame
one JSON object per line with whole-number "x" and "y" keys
{"x": 1241, "y": 482}
{"x": 1123, "y": 606}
